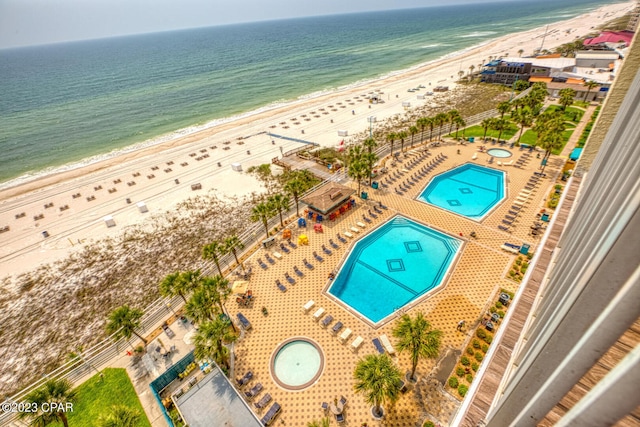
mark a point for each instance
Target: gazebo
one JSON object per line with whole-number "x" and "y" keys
{"x": 329, "y": 201}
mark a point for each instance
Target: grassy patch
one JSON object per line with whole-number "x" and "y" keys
{"x": 477, "y": 132}
{"x": 97, "y": 395}
{"x": 530, "y": 137}
{"x": 571, "y": 114}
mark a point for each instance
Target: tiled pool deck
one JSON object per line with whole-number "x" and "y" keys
{"x": 479, "y": 273}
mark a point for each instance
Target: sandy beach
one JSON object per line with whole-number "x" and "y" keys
{"x": 71, "y": 206}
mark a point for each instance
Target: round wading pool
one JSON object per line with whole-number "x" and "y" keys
{"x": 499, "y": 152}
{"x": 297, "y": 363}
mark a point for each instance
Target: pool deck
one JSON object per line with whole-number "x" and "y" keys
{"x": 479, "y": 274}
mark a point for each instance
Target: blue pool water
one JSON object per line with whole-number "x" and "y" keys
{"x": 469, "y": 190}
{"x": 392, "y": 266}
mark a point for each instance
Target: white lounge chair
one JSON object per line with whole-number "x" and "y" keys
{"x": 344, "y": 336}
{"x": 357, "y": 343}
{"x": 475, "y": 156}
{"x": 308, "y": 306}
{"x": 360, "y": 224}
{"x": 507, "y": 163}
{"x": 349, "y": 235}
{"x": 355, "y": 229}
{"x": 318, "y": 314}
{"x": 277, "y": 255}
{"x": 387, "y": 344}
{"x": 499, "y": 163}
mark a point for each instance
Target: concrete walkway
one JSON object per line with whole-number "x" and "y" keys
{"x": 577, "y": 132}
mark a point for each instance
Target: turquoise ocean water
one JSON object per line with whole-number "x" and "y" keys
{"x": 68, "y": 104}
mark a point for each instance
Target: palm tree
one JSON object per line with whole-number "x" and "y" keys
{"x": 504, "y": 107}
{"x": 279, "y": 202}
{"x": 431, "y": 122}
{"x": 390, "y": 138}
{"x": 261, "y": 212}
{"x": 218, "y": 287}
{"x": 486, "y": 124}
{"x": 460, "y": 74}
{"x": 452, "y": 115}
{"x": 378, "y": 379}
{"x": 208, "y": 341}
{"x": 500, "y": 125}
{"x": 440, "y": 119}
{"x": 213, "y": 251}
{"x": 459, "y": 122}
{"x": 179, "y": 283}
{"x": 357, "y": 171}
{"x": 567, "y": 96}
{"x": 201, "y": 306}
{"x": 369, "y": 160}
{"x": 231, "y": 245}
{"x": 402, "y": 135}
{"x": 520, "y": 52}
{"x": 590, "y": 84}
{"x": 123, "y": 322}
{"x": 295, "y": 188}
{"x": 120, "y": 416}
{"x": 524, "y": 118}
{"x": 422, "y": 123}
{"x": 369, "y": 144}
{"x": 413, "y": 130}
{"x": 324, "y": 422}
{"x": 54, "y": 390}
{"x": 419, "y": 338}
{"x": 471, "y": 68}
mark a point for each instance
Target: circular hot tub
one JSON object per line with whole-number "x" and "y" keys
{"x": 499, "y": 152}
{"x": 297, "y": 363}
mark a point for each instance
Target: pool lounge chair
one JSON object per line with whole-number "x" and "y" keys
{"x": 284, "y": 248}
{"x": 349, "y": 235}
{"x": 345, "y": 335}
{"x": 360, "y": 224}
{"x": 297, "y": 271}
{"x": 333, "y": 244}
{"x": 342, "y": 239}
{"x": 326, "y": 250}
{"x": 387, "y": 344}
{"x": 355, "y": 345}
{"x": 365, "y": 219}
{"x": 264, "y": 401}
{"x": 271, "y": 414}
{"x": 308, "y": 306}
{"x": 254, "y": 391}
{"x": 307, "y": 264}
{"x": 355, "y": 229}
{"x": 262, "y": 264}
{"x": 293, "y": 245}
{"x": 504, "y": 221}
{"x": 317, "y": 257}
{"x": 383, "y": 206}
{"x": 327, "y": 320}
{"x": 337, "y": 327}
{"x": 475, "y": 156}
{"x": 318, "y": 314}
{"x": 378, "y": 345}
{"x": 244, "y": 322}
{"x": 245, "y": 379}
{"x": 280, "y": 286}
{"x": 277, "y": 255}
{"x": 290, "y": 279}
{"x": 372, "y": 215}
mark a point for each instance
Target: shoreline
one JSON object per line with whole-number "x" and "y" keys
{"x": 100, "y": 161}
{"x": 24, "y": 247}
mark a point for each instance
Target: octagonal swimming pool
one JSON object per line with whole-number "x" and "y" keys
{"x": 392, "y": 266}
{"x": 297, "y": 363}
{"x": 469, "y": 190}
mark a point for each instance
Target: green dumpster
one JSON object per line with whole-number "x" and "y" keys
{"x": 364, "y": 195}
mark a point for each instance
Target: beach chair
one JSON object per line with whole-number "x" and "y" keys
{"x": 354, "y": 229}
{"x": 277, "y": 255}
{"x": 378, "y": 345}
{"x": 343, "y": 401}
{"x": 355, "y": 345}
{"x": 290, "y": 279}
{"x": 284, "y": 248}
{"x": 297, "y": 271}
{"x": 293, "y": 245}
{"x": 372, "y": 215}
{"x": 326, "y": 250}
{"x": 510, "y": 218}
{"x": 360, "y": 224}
{"x": 317, "y": 257}
{"x": 269, "y": 259}
{"x": 280, "y": 286}
{"x": 387, "y": 344}
{"x": 503, "y": 228}
{"x": 337, "y": 327}
{"x": 254, "y": 391}
{"x": 327, "y": 320}
{"x": 342, "y": 239}
{"x": 264, "y": 401}
{"x": 318, "y": 314}
{"x": 340, "y": 418}
{"x": 367, "y": 220}
{"x": 308, "y": 306}
{"x": 245, "y": 379}
{"x": 262, "y": 264}
{"x": 504, "y": 221}
{"x": 244, "y": 322}
{"x": 333, "y": 244}
{"x": 345, "y": 335}
{"x": 271, "y": 414}
{"x": 383, "y": 206}
{"x": 377, "y": 210}
{"x": 307, "y": 264}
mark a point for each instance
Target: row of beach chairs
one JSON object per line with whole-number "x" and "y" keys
{"x": 275, "y": 408}
{"x": 523, "y": 198}
{"x": 383, "y": 345}
{"x": 337, "y": 328}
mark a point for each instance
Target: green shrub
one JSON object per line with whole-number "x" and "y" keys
{"x": 428, "y": 424}
{"x": 553, "y": 203}
{"x": 475, "y": 366}
{"x": 498, "y": 305}
{"x": 480, "y": 333}
{"x": 479, "y": 356}
{"x": 485, "y": 348}
{"x": 512, "y": 273}
{"x": 453, "y": 382}
{"x": 518, "y": 261}
{"x": 460, "y": 371}
{"x": 469, "y": 378}
{"x": 475, "y": 343}
{"x": 488, "y": 339}
{"x": 500, "y": 313}
{"x": 523, "y": 269}
{"x": 464, "y": 360}
{"x": 524, "y": 265}
{"x": 470, "y": 351}
{"x": 462, "y": 390}
{"x": 558, "y": 187}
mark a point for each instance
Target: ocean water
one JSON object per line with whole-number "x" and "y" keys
{"x": 69, "y": 104}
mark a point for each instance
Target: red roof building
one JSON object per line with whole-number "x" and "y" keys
{"x": 611, "y": 37}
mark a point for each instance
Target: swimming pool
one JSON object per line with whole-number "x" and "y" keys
{"x": 297, "y": 363}
{"x": 392, "y": 266}
{"x": 469, "y": 190}
{"x": 499, "y": 152}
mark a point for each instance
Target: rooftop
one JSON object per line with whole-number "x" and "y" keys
{"x": 328, "y": 197}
